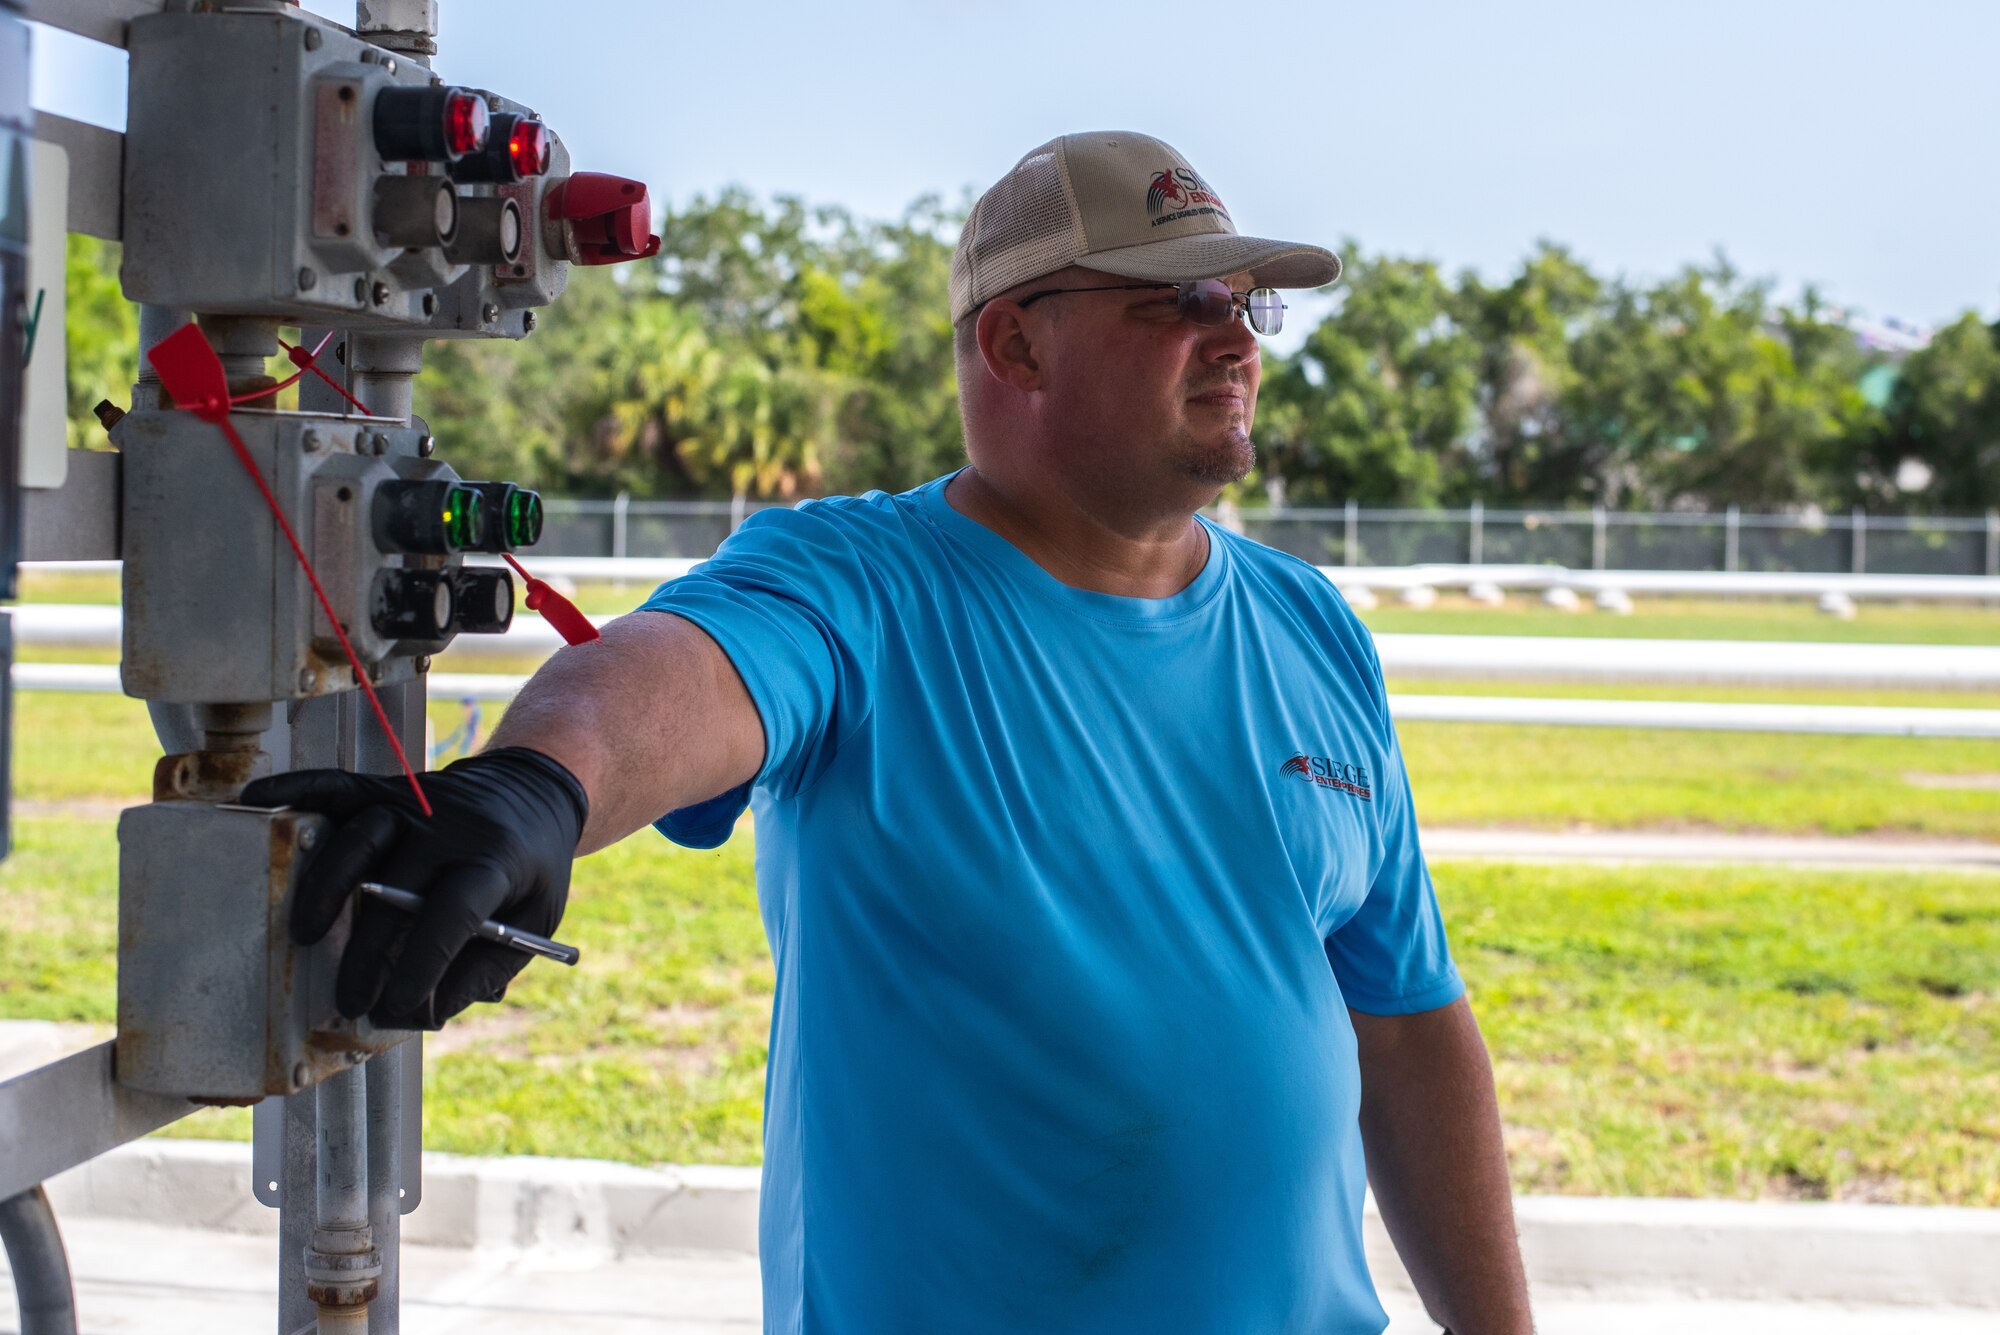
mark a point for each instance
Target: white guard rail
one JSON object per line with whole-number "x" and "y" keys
{"x": 1446, "y": 657}
{"x": 639, "y": 570}
{"x": 1846, "y": 720}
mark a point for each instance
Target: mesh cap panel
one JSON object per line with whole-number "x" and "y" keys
{"x": 1025, "y": 226}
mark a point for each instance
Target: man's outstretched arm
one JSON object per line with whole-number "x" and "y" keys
{"x": 1430, "y": 1125}
{"x": 650, "y": 718}
{"x": 607, "y": 737}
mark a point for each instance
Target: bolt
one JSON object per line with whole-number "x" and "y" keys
{"x": 378, "y": 443}
{"x": 426, "y": 447}
{"x": 430, "y": 303}
{"x": 310, "y": 441}
{"x": 308, "y": 680}
{"x": 300, "y": 1074}
{"x": 380, "y": 292}
{"x": 313, "y": 39}
{"x": 389, "y": 64}
{"x": 528, "y": 321}
{"x": 369, "y": 55}
{"x": 423, "y": 662}
{"x": 489, "y": 312}
{"x": 308, "y": 280}
{"x": 308, "y": 836}
{"x": 361, "y": 289}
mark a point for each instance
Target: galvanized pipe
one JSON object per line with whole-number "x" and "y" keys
{"x": 342, "y": 1264}
{"x": 41, "y": 1268}
{"x": 384, "y": 369}
{"x": 155, "y": 323}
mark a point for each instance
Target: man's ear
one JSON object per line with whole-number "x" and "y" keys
{"x": 1006, "y": 347}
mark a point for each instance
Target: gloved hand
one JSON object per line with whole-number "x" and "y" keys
{"x": 498, "y": 845}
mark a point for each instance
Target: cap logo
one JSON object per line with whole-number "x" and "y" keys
{"x": 1178, "y": 193}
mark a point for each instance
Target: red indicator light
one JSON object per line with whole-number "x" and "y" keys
{"x": 465, "y": 123}
{"x": 528, "y": 149}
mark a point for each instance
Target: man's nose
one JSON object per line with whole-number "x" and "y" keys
{"x": 1230, "y": 343}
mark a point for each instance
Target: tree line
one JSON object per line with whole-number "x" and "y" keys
{"x": 776, "y": 349}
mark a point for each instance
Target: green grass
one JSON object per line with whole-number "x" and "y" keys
{"x": 1634, "y": 778}
{"x": 1671, "y": 1031}
{"x": 1739, "y": 1033}
{"x": 1702, "y": 619}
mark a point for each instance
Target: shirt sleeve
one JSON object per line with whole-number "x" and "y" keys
{"x": 1391, "y": 956}
{"x": 791, "y": 602}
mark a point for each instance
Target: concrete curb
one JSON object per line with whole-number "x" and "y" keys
{"x": 1879, "y": 1254}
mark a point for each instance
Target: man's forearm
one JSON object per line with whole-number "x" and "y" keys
{"x": 1431, "y": 1127}
{"x": 650, "y": 718}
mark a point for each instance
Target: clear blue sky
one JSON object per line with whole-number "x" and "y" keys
{"x": 1856, "y": 146}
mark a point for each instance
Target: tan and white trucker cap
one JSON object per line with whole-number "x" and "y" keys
{"x": 1121, "y": 202}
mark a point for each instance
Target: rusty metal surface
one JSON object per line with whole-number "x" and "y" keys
{"x": 69, "y": 1112}
{"x": 214, "y": 1000}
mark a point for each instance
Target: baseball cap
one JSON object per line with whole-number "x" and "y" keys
{"x": 1124, "y": 203}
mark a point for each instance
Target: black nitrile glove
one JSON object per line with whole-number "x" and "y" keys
{"x": 498, "y": 845}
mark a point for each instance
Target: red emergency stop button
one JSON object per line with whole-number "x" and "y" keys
{"x": 606, "y": 219}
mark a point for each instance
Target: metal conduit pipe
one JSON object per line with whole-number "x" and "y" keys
{"x": 41, "y": 1268}
{"x": 343, "y": 1265}
{"x": 384, "y": 369}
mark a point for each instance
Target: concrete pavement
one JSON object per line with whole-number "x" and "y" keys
{"x": 136, "y": 1277}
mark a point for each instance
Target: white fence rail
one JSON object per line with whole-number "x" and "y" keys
{"x": 1854, "y": 720}
{"x": 1447, "y": 657}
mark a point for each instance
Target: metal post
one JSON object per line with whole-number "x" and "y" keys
{"x": 1859, "y": 525}
{"x": 621, "y": 522}
{"x": 41, "y": 1269}
{"x": 342, "y": 1263}
{"x": 1732, "y": 538}
{"x": 1993, "y": 542}
{"x": 1475, "y": 544}
{"x": 1598, "y": 535}
{"x": 1351, "y": 539}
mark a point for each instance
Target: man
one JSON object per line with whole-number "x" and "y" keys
{"x": 1085, "y": 849}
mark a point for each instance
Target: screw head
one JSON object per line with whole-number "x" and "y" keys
{"x": 308, "y": 679}
{"x": 361, "y": 289}
{"x": 379, "y": 293}
{"x": 423, "y": 663}
{"x": 528, "y": 320}
{"x": 310, "y": 442}
{"x": 308, "y": 280}
{"x": 489, "y": 312}
{"x": 426, "y": 447}
{"x": 300, "y": 1075}
{"x": 314, "y": 37}
{"x": 389, "y": 64}
{"x": 308, "y": 836}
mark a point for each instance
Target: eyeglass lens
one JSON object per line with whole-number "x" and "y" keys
{"x": 1209, "y": 301}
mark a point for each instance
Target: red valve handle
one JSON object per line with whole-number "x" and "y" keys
{"x": 558, "y": 611}
{"x": 607, "y": 219}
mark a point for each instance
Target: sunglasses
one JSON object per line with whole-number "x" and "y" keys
{"x": 1206, "y": 301}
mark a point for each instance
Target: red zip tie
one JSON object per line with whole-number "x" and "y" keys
{"x": 289, "y": 380}
{"x": 193, "y": 374}
{"x": 558, "y": 611}
{"x": 307, "y": 361}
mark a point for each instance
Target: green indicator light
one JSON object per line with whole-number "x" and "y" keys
{"x": 524, "y": 519}
{"x": 464, "y": 518}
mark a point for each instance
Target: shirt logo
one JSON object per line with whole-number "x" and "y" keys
{"x": 1325, "y": 772}
{"x": 1178, "y": 193}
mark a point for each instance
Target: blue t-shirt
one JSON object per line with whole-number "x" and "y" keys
{"x": 1069, "y": 895}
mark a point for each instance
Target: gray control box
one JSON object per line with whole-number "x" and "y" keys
{"x": 217, "y": 608}
{"x": 214, "y": 1000}
{"x": 255, "y": 185}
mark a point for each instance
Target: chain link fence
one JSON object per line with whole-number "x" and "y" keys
{"x": 1856, "y": 543}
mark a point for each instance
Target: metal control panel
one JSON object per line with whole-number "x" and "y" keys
{"x": 280, "y": 171}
